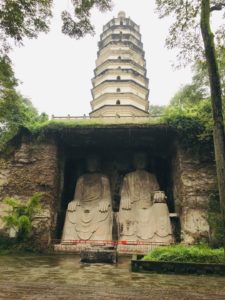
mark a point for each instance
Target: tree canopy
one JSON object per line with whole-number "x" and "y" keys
{"x": 185, "y": 31}
{"x": 15, "y": 110}
{"x": 28, "y": 18}
{"x": 23, "y": 18}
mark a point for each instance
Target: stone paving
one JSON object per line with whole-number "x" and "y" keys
{"x": 63, "y": 277}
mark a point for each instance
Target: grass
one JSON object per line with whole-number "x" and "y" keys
{"x": 187, "y": 254}
{"x": 76, "y": 123}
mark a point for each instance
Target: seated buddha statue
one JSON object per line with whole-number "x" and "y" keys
{"x": 143, "y": 213}
{"x": 89, "y": 214}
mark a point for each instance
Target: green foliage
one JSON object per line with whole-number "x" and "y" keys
{"x": 79, "y": 24}
{"x": 187, "y": 94}
{"x": 20, "y": 19}
{"x": 21, "y": 214}
{"x": 59, "y": 125}
{"x": 7, "y": 77}
{"x": 15, "y": 110}
{"x": 193, "y": 122}
{"x": 201, "y": 78}
{"x": 189, "y": 128}
{"x": 215, "y": 221}
{"x": 190, "y": 110}
{"x": 187, "y": 254}
{"x": 184, "y": 32}
{"x": 156, "y": 110}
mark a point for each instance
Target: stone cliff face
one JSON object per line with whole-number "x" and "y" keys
{"x": 32, "y": 168}
{"x": 37, "y": 166}
{"x": 194, "y": 177}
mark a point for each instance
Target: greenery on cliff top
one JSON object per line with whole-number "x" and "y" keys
{"x": 187, "y": 254}
{"x": 73, "y": 123}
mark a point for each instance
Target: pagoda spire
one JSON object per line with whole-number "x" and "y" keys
{"x": 120, "y": 85}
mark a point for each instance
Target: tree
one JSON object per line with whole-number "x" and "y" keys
{"x": 19, "y": 19}
{"x": 156, "y": 110}
{"x": 199, "y": 88}
{"x": 15, "y": 110}
{"x": 187, "y": 94}
{"x": 201, "y": 78}
{"x": 79, "y": 24}
{"x": 216, "y": 99}
{"x": 185, "y": 33}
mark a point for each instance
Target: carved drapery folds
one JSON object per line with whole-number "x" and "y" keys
{"x": 143, "y": 214}
{"x": 89, "y": 215}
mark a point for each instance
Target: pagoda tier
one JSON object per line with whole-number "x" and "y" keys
{"x": 120, "y": 85}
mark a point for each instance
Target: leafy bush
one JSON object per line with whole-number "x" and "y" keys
{"x": 193, "y": 122}
{"x": 182, "y": 253}
{"x": 215, "y": 221}
{"x": 20, "y": 215}
{"x": 189, "y": 128}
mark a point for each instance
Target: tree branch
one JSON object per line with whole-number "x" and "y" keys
{"x": 218, "y": 6}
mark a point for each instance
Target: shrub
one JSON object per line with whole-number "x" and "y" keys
{"x": 20, "y": 215}
{"x": 182, "y": 253}
{"x": 215, "y": 221}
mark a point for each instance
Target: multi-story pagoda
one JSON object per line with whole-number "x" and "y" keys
{"x": 120, "y": 85}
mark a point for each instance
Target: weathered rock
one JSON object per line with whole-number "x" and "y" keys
{"x": 193, "y": 180}
{"x": 33, "y": 168}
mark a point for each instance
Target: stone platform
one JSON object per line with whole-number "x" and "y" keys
{"x": 121, "y": 247}
{"x": 90, "y": 252}
{"x": 98, "y": 256}
{"x": 79, "y": 247}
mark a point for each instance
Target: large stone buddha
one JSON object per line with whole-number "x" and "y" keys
{"x": 143, "y": 213}
{"x": 89, "y": 215}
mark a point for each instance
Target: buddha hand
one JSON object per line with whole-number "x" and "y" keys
{"x": 103, "y": 206}
{"x": 72, "y": 206}
{"x": 126, "y": 204}
{"x": 159, "y": 197}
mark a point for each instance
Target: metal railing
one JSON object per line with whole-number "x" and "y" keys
{"x": 85, "y": 117}
{"x": 122, "y": 247}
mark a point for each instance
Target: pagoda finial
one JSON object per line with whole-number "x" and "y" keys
{"x": 122, "y": 15}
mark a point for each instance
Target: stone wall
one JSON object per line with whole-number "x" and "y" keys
{"x": 33, "y": 167}
{"x": 194, "y": 177}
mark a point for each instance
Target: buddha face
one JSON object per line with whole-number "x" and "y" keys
{"x": 140, "y": 160}
{"x": 92, "y": 163}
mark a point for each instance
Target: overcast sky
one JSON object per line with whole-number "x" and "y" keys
{"x": 56, "y": 71}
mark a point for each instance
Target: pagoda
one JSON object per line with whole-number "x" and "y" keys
{"x": 120, "y": 85}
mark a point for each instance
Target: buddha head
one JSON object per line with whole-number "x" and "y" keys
{"x": 140, "y": 160}
{"x": 92, "y": 163}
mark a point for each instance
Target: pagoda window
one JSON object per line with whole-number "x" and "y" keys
{"x": 118, "y": 78}
{"x": 118, "y": 90}
{"x": 118, "y": 102}
{"x": 119, "y": 57}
